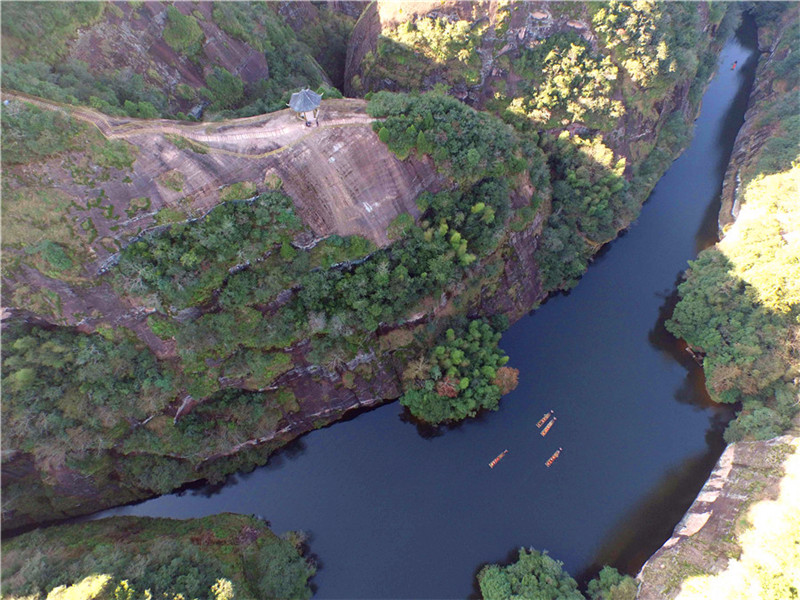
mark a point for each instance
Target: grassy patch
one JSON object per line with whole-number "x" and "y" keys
{"x": 90, "y": 229}
{"x": 36, "y": 220}
{"x": 31, "y": 134}
{"x": 172, "y": 180}
{"x": 37, "y": 300}
{"x": 169, "y": 215}
{"x": 183, "y": 143}
{"x": 238, "y": 191}
{"x": 117, "y": 154}
{"x": 31, "y": 215}
{"x": 40, "y": 31}
{"x": 137, "y": 205}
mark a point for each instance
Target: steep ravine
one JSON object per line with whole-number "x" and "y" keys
{"x": 322, "y": 394}
{"x": 707, "y": 539}
{"x": 768, "y": 119}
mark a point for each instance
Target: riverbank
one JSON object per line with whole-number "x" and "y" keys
{"x": 749, "y": 479}
{"x": 712, "y": 549}
{"x": 769, "y": 135}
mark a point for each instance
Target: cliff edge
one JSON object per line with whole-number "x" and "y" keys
{"x": 749, "y": 479}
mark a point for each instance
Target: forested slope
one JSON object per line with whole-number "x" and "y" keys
{"x": 148, "y": 59}
{"x": 740, "y": 303}
{"x": 222, "y": 557}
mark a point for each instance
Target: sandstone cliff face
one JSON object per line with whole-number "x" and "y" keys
{"x": 766, "y": 118}
{"x": 533, "y": 21}
{"x": 705, "y": 541}
{"x": 505, "y": 30}
{"x": 134, "y": 41}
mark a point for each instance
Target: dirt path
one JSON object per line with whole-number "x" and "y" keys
{"x": 279, "y": 131}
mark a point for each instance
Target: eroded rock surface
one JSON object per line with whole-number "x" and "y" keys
{"x": 705, "y": 539}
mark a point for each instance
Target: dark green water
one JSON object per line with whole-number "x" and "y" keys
{"x": 394, "y": 514}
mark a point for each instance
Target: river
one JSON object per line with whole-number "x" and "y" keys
{"x": 393, "y": 512}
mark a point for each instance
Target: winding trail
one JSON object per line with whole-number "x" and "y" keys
{"x": 280, "y": 130}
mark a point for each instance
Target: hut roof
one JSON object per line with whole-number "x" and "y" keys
{"x": 304, "y": 101}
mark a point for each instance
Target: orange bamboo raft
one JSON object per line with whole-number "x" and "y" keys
{"x": 498, "y": 459}
{"x": 543, "y": 419}
{"x": 553, "y": 458}
{"x": 548, "y": 426}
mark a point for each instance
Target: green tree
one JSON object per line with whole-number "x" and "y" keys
{"x": 535, "y": 575}
{"x": 182, "y": 32}
{"x": 462, "y": 376}
{"x": 224, "y": 89}
{"x": 611, "y": 585}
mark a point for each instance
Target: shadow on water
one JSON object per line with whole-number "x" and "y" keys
{"x": 734, "y": 118}
{"x": 672, "y": 347}
{"x": 430, "y": 432}
{"x": 647, "y": 525}
{"x": 425, "y": 430}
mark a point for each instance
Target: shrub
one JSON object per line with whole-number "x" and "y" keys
{"x": 182, "y": 32}
{"x": 465, "y": 375}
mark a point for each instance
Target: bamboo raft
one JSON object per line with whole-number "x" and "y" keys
{"x": 498, "y": 459}
{"x": 553, "y": 458}
{"x": 548, "y": 427}
{"x": 543, "y": 419}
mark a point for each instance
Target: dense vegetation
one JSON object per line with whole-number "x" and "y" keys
{"x": 216, "y": 558}
{"x": 290, "y": 65}
{"x": 68, "y": 396}
{"x": 186, "y": 262}
{"x": 465, "y": 144}
{"x": 536, "y": 575}
{"x": 463, "y": 374}
{"x": 31, "y": 134}
{"x": 414, "y": 51}
{"x": 38, "y": 63}
{"x": 740, "y": 306}
{"x": 591, "y": 202}
{"x": 564, "y": 81}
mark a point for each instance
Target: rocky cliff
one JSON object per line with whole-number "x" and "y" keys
{"x": 768, "y": 137}
{"x": 483, "y": 53}
{"x": 709, "y": 539}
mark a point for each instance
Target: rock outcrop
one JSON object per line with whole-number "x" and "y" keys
{"x": 705, "y": 540}
{"x": 766, "y": 121}
{"x": 342, "y": 180}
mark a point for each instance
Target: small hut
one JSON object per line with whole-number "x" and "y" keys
{"x": 305, "y": 104}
